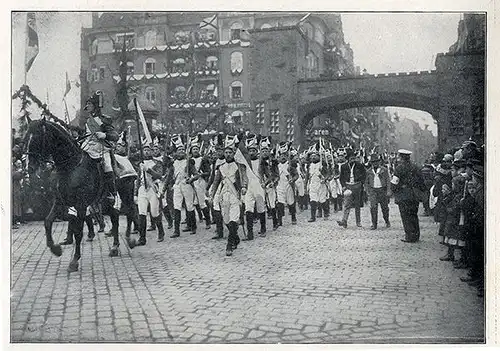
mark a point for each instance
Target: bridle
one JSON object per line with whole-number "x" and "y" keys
{"x": 42, "y": 157}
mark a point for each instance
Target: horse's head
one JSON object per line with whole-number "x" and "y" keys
{"x": 36, "y": 145}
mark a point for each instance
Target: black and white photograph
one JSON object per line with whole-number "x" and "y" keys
{"x": 248, "y": 177}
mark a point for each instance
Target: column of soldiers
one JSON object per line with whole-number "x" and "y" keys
{"x": 236, "y": 180}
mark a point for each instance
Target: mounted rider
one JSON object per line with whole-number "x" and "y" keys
{"x": 100, "y": 141}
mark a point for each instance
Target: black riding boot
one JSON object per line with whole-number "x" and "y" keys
{"x": 110, "y": 186}
{"x": 233, "y": 239}
{"x": 219, "y": 225}
{"x": 249, "y": 219}
{"x": 319, "y": 209}
{"x": 314, "y": 205}
{"x": 280, "y": 209}
{"x": 326, "y": 210}
{"x": 206, "y": 214}
{"x": 199, "y": 211}
{"x": 159, "y": 226}
{"x": 142, "y": 230}
{"x": 274, "y": 218}
{"x": 193, "y": 226}
{"x": 293, "y": 213}
{"x": 262, "y": 218}
{"x": 177, "y": 224}
{"x": 168, "y": 217}
{"x": 152, "y": 226}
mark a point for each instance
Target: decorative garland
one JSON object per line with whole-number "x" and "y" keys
{"x": 24, "y": 93}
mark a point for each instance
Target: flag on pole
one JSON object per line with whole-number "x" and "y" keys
{"x": 147, "y": 136}
{"x": 209, "y": 22}
{"x": 68, "y": 86}
{"x": 66, "y": 113}
{"x": 305, "y": 17}
{"x": 32, "y": 41}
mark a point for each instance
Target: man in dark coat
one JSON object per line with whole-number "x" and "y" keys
{"x": 378, "y": 188}
{"x": 352, "y": 178}
{"x": 407, "y": 183}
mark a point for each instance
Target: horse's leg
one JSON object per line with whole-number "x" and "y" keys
{"x": 79, "y": 222}
{"x": 55, "y": 249}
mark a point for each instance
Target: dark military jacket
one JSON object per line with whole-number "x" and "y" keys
{"x": 407, "y": 181}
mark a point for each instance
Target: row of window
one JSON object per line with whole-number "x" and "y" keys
{"x": 150, "y": 65}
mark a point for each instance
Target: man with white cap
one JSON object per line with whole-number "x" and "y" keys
{"x": 406, "y": 183}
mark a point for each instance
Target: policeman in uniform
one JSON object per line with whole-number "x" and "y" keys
{"x": 406, "y": 183}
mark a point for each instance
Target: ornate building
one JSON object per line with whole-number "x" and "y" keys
{"x": 200, "y": 71}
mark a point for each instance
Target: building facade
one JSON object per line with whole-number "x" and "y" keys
{"x": 200, "y": 71}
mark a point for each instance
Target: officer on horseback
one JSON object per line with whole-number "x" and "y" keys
{"x": 100, "y": 141}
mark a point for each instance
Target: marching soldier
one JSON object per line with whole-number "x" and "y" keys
{"x": 182, "y": 175}
{"x": 406, "y": 182}
{"x": 230, "y": 183}
{"x": 125, "y": 182}
{"x": 202, "y": 166}
{"x": 316, "y": 181}
{"x": 217, "y": 144}
{"x": 269, "y": 178}
{"x": 255, "y": 205}
{"x": 148, "y": 195}
{"x": 287, "y": 173}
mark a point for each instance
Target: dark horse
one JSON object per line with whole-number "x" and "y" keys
{"x": 79, "y": 183}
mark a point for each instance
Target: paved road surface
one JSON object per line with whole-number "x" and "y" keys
{"x": 310, "y": 283}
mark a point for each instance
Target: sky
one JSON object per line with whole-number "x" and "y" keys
{"x": 400, "y": 42}
{"x": 381, "y": 42}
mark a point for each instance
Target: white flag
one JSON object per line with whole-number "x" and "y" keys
{"x": 148, "y": 140}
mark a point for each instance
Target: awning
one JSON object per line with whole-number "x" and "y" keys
{"x": 212, "y": 59}
{"x": 179, "y": 61}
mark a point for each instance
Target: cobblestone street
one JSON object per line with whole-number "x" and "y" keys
{"x": 310, "y": 283}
